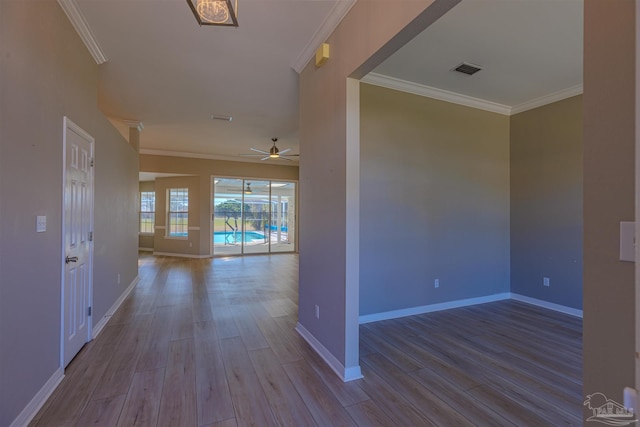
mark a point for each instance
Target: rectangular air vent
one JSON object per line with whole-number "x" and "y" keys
{"x": 467, "y": 68}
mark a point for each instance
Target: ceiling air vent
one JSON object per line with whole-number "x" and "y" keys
{"x": 468, "y": 69}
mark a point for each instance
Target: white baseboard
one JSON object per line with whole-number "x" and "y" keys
{"x": 346, "y": 374}
{"x": 181, "y": 255}
{"x": 103, "y": 322}
{"x": 549, "y": 305}
{"x": 38, "y": 400}
{"x": 367, "y": 318}
{"x": 145, "y": 249}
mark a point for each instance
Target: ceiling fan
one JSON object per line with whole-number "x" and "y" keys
{"x": 273, "y": 153}
{"x": 246, "y": 189}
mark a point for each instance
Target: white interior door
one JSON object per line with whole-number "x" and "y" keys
{"x": 77, "y": 250}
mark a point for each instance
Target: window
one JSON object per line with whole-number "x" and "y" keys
{"x": 178, "y": 212}
{"x": 147, "y": 211}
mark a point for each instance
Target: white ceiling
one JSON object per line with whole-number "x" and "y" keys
{"x": 528, "y": 49}
{"x": 171, "y": 74}
{"x": 167, "y": 72}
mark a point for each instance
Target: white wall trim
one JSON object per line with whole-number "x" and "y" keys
{"x": 181, "y": 255}
{"x": 154, "y": 152}
{"x": 432, "y": 92}
{"x": 368, "y": 318}
{"x": 103, "y": 322}
{"x": 395, "y": 314}
{"x": 136, "y": 124}
{"x": 350, "y": 374}
{"x": 547, "y": 99}
{"x": 331, "y": 22}
{"x": 79, "y": 22}
{"x": 549, "y": 305}
{"x": 38, "y": 400}
{"x": 145, "y": 249}
{"x": 352, "y": 234}
{"x": 468, "y": 101}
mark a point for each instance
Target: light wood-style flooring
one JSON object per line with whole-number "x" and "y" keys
{"x": 212, "y": 343}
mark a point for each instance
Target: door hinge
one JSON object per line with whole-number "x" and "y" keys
{"x": 91, "y": 236}
{"x": 91, "y": 162}
{"x": 89, "y": 311}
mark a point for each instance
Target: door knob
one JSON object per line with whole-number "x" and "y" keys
{"x": 68, "y": 259}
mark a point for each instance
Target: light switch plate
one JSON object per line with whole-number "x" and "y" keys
{"x": 41, "y": 223}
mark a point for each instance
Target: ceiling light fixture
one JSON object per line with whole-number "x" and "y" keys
{"x": 248, "y": 189}
{"x": 215, "y": 12}
{"x": 274, "y": 153}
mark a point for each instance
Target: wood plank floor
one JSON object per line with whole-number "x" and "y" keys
{"x": 212, "y": 343}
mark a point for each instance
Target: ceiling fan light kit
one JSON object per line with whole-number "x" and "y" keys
{"x": 215, "y": 12}
{"x": 273, "y": 153}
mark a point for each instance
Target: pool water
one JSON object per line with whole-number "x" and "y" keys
{"x": 221, "y": 237}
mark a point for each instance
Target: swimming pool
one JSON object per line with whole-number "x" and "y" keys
{"x": 221, "y": 237}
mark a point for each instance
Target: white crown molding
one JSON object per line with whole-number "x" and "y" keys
{"x": 339, "y": 11}
{"x": 154, "y": 152}
{"x": 135, "y": 124}
{"x": 548, "y": 99}
{"x": 79, "y": 22}
{"x": 456, "y": 98}
{"x": 431, "y": 92}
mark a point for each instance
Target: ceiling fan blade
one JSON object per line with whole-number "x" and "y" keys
{"x": 293, "y": 155}
{"x": 284, "y": 151}
{"x": 265, "y": 158}
{"x": 259, "y": 151}
{"x": 251, "y": 155}
{"x": 285, "y": 158}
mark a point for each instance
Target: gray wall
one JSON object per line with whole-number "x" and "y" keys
{"x": 46, "y": 73}
{"x": 546, "y": 202}
{"x": 434, "y": 201}
{"x": 367, "y": 35}
{"x": 190, "y": 245}
{"x": 609, "y": 156}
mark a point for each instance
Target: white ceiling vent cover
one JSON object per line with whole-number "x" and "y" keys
{"x": 467, "y": 68}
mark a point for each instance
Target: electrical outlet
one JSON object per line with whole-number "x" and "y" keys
{"x": 545, "y": 281}
{"x": 317, "y": 311}
{"x": 436, "y": 283}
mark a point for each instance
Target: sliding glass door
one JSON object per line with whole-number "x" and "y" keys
{"x": 227, "y": 216}
{"x": 256, "y": 217}
{"x": 283, "y": 216}
{"x": 253, "y": 216}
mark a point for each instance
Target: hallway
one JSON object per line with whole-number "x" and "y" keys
{"x": 212, "y": 343}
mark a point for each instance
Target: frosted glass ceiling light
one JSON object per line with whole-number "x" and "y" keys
{"x": 215, "y": 12}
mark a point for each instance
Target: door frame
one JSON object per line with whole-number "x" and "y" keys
{"x": 69, "y": 125}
